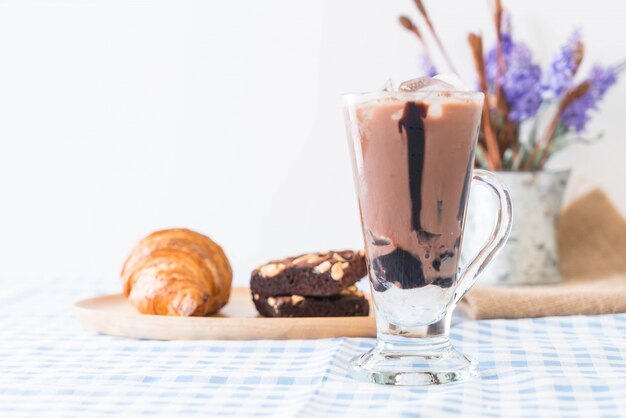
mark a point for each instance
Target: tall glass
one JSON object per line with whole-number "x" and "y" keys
{"x": 413, "y": 158}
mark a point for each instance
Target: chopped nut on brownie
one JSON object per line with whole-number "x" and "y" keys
{"x": 314, "y": 274}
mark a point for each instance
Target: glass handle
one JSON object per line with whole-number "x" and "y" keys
{"x": 497, "y": 239}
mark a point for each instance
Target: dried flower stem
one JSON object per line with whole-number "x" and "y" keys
{"x": 411, "y": 27}
{"x": 493, "y": 152}
{"x": 542, "y": 147}
{"x": 578, "y": 55}
{"x": 507, "y": 137}
{"x": 507, "y": 134}
{"x": 501, "y": 68}
{"x": 424, "y": 13}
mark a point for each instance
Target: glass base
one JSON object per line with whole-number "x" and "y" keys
{"x": 406, "y": 361}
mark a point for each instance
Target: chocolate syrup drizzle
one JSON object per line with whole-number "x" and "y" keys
{"x": 412, "y": 122}
{"x": 403, "y": 268}
{"x": 466, "y": 182}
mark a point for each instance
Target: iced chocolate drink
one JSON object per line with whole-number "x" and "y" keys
{"x": 413, "y": 156}
{"x": 415, "y": 160}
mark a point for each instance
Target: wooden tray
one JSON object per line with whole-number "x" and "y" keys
{"x": 238, "y": 320}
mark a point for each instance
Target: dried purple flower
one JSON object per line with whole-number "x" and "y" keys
{"x": 427, "y": 66}
{"x": 577, "y": 114}
{"x": 521, "y": 83}
{"x": 516, "y": 89}
{"x": 559, "y": 77}
{"x": 505, "y": 24}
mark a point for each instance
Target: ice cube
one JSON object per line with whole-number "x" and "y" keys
{"x": 453, "y": 80}
{"x": 425, "y": 84}
{"x": 388, "y": 87}
{"x": 440, "y": 82}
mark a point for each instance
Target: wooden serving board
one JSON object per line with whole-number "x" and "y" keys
{"x": 238, "y": 320}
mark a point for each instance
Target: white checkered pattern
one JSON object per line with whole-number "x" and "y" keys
{"x": 50, "y": 367}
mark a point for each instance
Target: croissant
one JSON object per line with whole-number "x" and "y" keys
{"x": 177, "y": 272}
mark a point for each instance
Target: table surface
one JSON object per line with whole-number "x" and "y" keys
{"x": 50, "y": 367}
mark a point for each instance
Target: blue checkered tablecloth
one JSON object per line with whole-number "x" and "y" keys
{"x": 50, "y": 367}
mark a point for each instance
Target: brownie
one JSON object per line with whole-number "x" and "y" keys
{"x": 351, "y": 302}
{"x": 316, "y": 274}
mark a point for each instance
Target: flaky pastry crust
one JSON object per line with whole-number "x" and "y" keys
{"x": 177, "y": 272}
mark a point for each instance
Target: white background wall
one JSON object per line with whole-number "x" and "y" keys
{"x": 121, "y": 117}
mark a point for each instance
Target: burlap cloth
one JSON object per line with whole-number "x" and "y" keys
{"x": 592, "y": 247}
